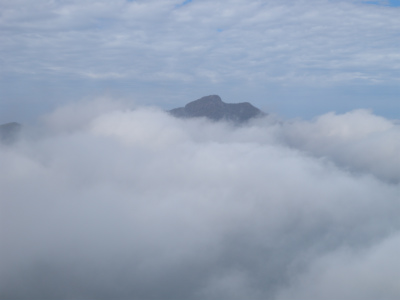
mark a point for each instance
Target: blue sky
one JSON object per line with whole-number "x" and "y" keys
{"x": 185, "y": 2}
{"x": 292, "y": 58}
{"x": 392, "y": 3}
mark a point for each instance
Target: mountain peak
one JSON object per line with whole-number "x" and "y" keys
{"x": 212, "y": 99}
{"x": 214, "y": 108}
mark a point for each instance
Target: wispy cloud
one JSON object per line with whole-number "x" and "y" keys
{"x": 285, "y": 37}
{"x": 235, "y": 48}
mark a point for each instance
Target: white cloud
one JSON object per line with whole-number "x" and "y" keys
{"x": 299, "y": 57}
{"x": 117, "y": 203}
{"x": 358, "y": 140}
{"x": 298, "y": 41}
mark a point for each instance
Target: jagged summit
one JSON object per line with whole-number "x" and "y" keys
{"x": 215, "y": 109}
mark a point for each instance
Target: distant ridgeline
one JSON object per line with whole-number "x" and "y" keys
{"x": 9, "y": 132}
{"x": 211, "y": 107}
{"x": 214, "y": 108}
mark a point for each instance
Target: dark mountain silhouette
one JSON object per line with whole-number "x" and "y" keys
{"x": 214, "y": 108}
{"x": 9, "y": 132}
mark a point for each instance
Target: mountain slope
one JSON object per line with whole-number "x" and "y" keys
{"x": 214, "y": 108}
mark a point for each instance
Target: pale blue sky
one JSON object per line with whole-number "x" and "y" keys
{"x": 294, "y": 58}
{"x": 393, "y": 3}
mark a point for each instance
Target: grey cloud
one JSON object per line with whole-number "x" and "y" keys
{"x": 137, "y": 204}
{"x": 344, "y": 275}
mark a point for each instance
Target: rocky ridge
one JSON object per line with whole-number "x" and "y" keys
{"x": 212, "y": 107}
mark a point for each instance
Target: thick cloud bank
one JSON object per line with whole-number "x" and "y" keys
{"x": 106, "y": 203}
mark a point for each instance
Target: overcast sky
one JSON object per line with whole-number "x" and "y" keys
{"x": 291, "y": 57}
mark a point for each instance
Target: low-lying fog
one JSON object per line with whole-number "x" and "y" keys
{"x": 101, "y": 202}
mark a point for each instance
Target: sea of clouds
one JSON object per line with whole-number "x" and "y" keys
{"x": 98, "y": 201}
